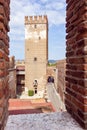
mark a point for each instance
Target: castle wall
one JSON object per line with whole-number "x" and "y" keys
{"x": 61, "y": 67}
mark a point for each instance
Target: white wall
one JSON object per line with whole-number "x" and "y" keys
{"x": 54, "y": 97}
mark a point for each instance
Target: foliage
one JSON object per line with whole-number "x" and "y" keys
{"x": 30, "y": 92}
{"x": 51, "y": 64}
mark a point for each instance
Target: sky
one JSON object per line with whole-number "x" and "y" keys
{"x": 55, "y": 11}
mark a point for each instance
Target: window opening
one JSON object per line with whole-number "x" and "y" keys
{"x": 35, "y": 26}
{"x": 35, "y": 58}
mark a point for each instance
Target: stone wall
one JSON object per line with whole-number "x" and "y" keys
{"x": 12, "y": 83}
{"x": 76, "y": 61}
{"x": 55, "y": 98}
{"x": 4, "y": 61}
{"x": 61, "y": 65}
{"x": 12, "y": 62}
{"x": 12, "y": 77}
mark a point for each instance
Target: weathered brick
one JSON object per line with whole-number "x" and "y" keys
{"x": 82, "y": 115}
{"x": 4, "y": 60}
{"x": 71, "y": 80}
{"x": 1, "y": 113}
{"x": 72, "y": 93}
{"x": 68, "y": 96}
{"x": 82, "y": 82}
{"x": 2, "y": 64}
{"x": 82, "y": 99}
{"x": 2, "y": 102}
{"x": 82, "y": 90}
{"x": 1, "y": 54}
{"x": 1, "y": 93}
{"x": 76, "y": 60}
{"x": 81, "y": 36}
{"x": 2, "y": 73}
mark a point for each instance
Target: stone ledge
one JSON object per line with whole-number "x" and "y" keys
{"x": 52, "y": 121}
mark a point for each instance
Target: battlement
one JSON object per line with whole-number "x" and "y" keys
{"x": 36, "y": 19}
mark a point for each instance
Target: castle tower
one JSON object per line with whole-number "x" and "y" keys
{"x": 36, "y": 52}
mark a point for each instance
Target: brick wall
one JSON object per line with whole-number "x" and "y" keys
{"x": 4, "y": 61}
{"x": 61, "y": 65}
{"x": 76, "y": 61}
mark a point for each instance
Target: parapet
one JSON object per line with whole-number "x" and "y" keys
{"x": 36, "y": 19}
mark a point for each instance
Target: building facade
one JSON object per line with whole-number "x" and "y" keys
{"x": 36, "y": 52}
{"x": 20, "y": 75}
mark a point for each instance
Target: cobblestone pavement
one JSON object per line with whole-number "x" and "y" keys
{"x": 52, "y": 121}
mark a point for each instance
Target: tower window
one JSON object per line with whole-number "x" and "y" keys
{"x": 35, "y": 26}
{"x": 39, "y": 38}
{"x": 35, "y": 58}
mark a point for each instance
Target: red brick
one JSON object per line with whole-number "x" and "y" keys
{"x": 82, "y": 91}
{"x": 4, "y": 60}
{"x": 82, "y": 27}
{"x": 2, "y": 102}
{"x": 2, "y": 64}
{"x": 1, "y": 93}
{"x": 82, "y": 99}
{"x": 1, "y": 113}
{"x": 79, "y": 74}
{"x": 1, "y": 83}
{"x": 1, "y": 54}
{"x": 82, "y": 82}
{"x": 81, "y": 36}
{"x": 2, "y": 73}
{"x": 76, "y": 59}
{"x": 68, "y": 96}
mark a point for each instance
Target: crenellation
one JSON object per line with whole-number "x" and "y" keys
{"x": 35, "y": 19}
{"x": 40, "y": 17}
{"x": 30, "y": 18}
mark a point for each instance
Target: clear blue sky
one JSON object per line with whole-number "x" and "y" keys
{"x": 55, "y": 10}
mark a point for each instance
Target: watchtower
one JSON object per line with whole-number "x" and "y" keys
{"x": 36, "y": 52}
